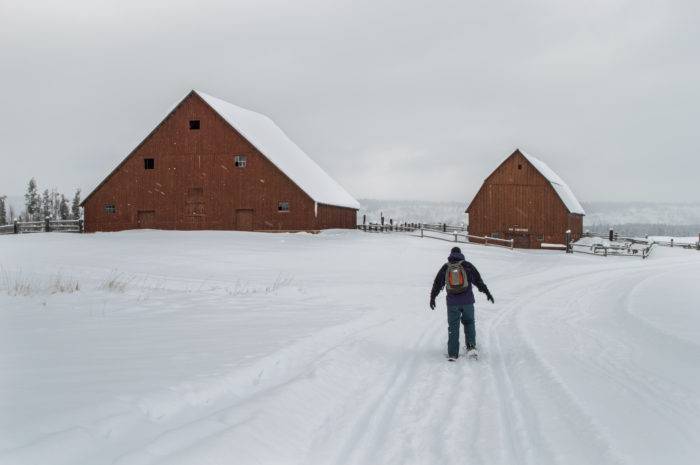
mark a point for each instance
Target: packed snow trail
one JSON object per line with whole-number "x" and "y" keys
{"x": 198, "y": 359}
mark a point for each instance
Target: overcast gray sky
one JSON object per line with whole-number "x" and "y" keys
{"x": 404, "y": 99}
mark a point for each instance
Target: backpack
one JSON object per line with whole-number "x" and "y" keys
{"x": 456, "y": 280}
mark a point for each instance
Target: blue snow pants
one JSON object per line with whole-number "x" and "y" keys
{"x": 455, "y": 313}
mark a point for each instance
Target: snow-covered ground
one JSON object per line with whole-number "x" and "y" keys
{"x": 223, "y": 347}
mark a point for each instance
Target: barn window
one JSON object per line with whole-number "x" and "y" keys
{"x": 283, "y": 206}
{"x": 194, "y": 124}
{"x": 149, "y": 163}
{"x": 110, "y": 208}
{"x": 240, "y": 161}
{"x": 520, "y": 167}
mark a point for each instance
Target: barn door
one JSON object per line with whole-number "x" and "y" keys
{"x": 244, "y": 220}
{"x": 520, "y": 240}
{"x": 146, "y": 219}
{"x": 195, "y": 207}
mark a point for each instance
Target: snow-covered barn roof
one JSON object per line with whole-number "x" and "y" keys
{"x": 272, "y": 142}
{"x": 562, "y": 189}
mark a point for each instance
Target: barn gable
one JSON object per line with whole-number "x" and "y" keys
{"x": 263, "y": 134}
{"x": 563, "y": 191}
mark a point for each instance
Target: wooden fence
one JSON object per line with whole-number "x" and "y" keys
{"x": 439, "y": 231}
{"x": 48, "y": 225}
{"x": 684, "y": 245}
{"x": 388, "y": 227}
{"x": 464, "y": 238}
{"x": 614, "y": 245}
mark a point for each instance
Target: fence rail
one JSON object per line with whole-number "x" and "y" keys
{"x": 48, "y": 225}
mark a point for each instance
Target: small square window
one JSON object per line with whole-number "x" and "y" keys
{"x": 240, "y": 161}
{"x": 194, "y": 124}
{"x": 110, "y": 208}
{"x": 520, "y": 167}
{"x": 283, "y": 206}
{"x": 149, "y": 163}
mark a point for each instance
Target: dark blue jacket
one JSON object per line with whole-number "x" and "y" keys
{"x": 473, "y": 276}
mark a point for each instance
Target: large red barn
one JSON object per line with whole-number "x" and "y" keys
{"x": 525, "y": 200}
{"x": 213, "y": 165}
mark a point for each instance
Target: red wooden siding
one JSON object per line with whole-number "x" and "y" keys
{"x": 196, "y": 185}
{"x": 516, "y": 201}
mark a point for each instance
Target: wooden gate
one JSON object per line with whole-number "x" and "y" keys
{"x": 244, "y": 220}
{"x": 146, "y": 219}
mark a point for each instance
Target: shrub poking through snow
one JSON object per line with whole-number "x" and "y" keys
{"x": 116, "y": 282}
{"x": 17, "y": 283}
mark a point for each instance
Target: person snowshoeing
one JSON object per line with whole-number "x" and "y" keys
{"x": 457, "y": 277}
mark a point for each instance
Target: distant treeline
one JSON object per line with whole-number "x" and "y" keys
{"x": 412, "y": 211}
{"x": 41, "y": 205}
{"x": 647, "y": 229}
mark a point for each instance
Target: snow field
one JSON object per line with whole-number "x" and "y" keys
{"x": 224, "y": 347}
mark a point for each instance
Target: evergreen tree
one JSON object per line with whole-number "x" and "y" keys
{"x": 3, "y": 210}
{"x": 63, "y": 210}
{"x": 31, "y": 200}
{"x": 55, "y": 203}
{"x": 46, "y": 205}
{"x": 75, "y": 206}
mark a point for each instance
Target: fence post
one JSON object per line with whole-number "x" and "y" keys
{"x": 455, "y": 237}
{"x": 671, "y": 242}
{"x": 568, "y": 241}
{"x": 512, "y": 242}
{"x": 16, "y": 224}
{"x": 81, "y": 225}
{"x": 486, "y": 240}
{"x": 47, "y": 224}
{"x": 610, "y": 235}
{"x": 421, "y": 231}
{"x": 444, "y": 227}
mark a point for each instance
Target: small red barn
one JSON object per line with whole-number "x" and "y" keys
{"x": 212, "y": 165}
{"x": 525, "y": 200}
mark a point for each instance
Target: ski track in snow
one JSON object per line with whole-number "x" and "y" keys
{"x": 568, "y": 372}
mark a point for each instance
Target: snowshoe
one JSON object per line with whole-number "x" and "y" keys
{"x": 472, "y": 353}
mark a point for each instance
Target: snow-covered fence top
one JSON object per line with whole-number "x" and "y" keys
{"x": 48, "y": 225}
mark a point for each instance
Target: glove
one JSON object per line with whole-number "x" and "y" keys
{"x": 490, "y": 297}
{"x": 432, "y": 304}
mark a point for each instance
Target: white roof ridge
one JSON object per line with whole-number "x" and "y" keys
{"x": 262, "y": 132}
{"x": 562, "y": 189}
